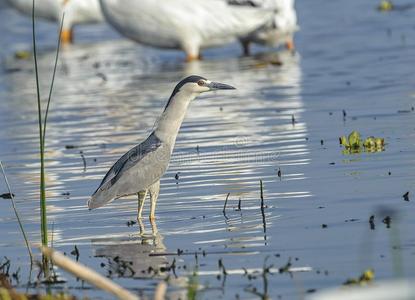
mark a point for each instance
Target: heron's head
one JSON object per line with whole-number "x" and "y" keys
{"x": 198, "y": 84}
{"x": 190, "y": 87}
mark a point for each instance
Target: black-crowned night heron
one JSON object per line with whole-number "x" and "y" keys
{"x": 76, "y": 12}
{"x": 139, "y": 170}
{"x": 192, "y": 25}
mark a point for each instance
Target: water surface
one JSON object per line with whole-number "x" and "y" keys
{"x": 108, "y": 94}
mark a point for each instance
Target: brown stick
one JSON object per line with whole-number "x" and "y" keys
{"x": 160, "y": 292}
{"x": 87, "y": 274}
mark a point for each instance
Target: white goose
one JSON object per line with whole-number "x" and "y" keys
{"x": 76, "y": 12}
{"x": 279, "y": 31}
{"x": 184, "y": 24}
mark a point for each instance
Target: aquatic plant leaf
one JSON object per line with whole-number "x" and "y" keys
{"x": 21, "y": 54}
{"x": 354, "y": 139}
{"x": 385, "y": 5}
{"x": 380, "y": 142}
{"x": 353, "y": 143}
{"x": 370, "y": 142}
{"x": 366, "y": 277}
{"x": 344, "y": 141}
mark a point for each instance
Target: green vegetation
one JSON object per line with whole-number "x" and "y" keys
{"x": 42, "y": 121}
{"x": 354, "y": 143}
{"x": 366, "y": 277}
{"x": 385, "y": 5}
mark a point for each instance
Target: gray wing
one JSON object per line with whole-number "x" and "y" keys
{"x": 251, "y": 3}
{"x": 129, "y": 160}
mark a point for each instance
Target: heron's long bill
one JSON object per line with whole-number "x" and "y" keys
{"x": 220, "y": 86}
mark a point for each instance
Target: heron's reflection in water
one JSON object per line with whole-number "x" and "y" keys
{"x": 134, "y": 256}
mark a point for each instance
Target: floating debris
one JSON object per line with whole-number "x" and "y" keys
{"x": 22, "y": 54}
{"x": 7, "y": 195}
{"x": 404, "y": 111}
{"x": 323, "y": 225}
{"x": 75, "y": 253}
{"x": 102, "y": 76}
{"x": 83, "y": 159}
{"x": 351, "y": 220}
{"x": 279, "y": 174}
{"x": 131, "y": 223}
{"x": 177, "y": 177}
{"x": 372, "y": 222}
{"x": 406, "y": 196}
{"x": 239, "y": 205}
{"x": 264, "y": 222}
{"x": 387, "y": 220}
{"x": 222, "y": 267}
{"x": 363, "y": 279}
{"x": 385, "y": 5}
{"x": 121, "y": 267}
{"x": 168, "y": 268}
{"x": 224, "y": 206}
{"x": 286, "y": 268}
{"x": 292, "y": 119}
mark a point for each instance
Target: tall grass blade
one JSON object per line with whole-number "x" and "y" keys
{"x": 17, "y": 214}
{"x": 43, "y": 216}
{"x": 53, "y": 81}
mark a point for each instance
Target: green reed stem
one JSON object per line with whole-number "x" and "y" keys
{"x": 17, "y": 214}
{"x": 53, "y": 80}
{"x": 43, "y": 216}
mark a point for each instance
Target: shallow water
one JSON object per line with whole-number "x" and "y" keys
{"x": 107, "y": 96}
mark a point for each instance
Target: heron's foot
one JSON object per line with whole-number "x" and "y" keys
{"x": 289, "y": 44}
{"x": 67, "y": 36}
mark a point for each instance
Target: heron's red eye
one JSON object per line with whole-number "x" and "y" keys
{"x": 201, "y": 83}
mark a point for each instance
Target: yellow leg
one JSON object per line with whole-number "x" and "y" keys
{"x": 67, "y": 36}
{"x": 154, "y": 229}
{"x": 141, "y": 226}
{"x": 190, "y": 57}
{"x": 290, "y": 44}
{"x": 154, "y": 194}
{"x": 141, "y": 197}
